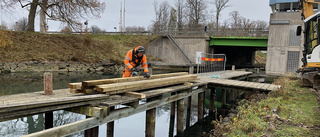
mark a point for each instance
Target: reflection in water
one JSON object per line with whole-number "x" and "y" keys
{"x": 133, "y": 126}
{"x": 27, "y": 125}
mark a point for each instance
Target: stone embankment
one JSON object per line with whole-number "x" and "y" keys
{"x": 35, "y": 66}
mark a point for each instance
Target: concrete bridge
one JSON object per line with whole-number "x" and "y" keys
{"x": 180, "y": 50}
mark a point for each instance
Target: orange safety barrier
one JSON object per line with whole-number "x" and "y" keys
{"x": 212, "y": 59}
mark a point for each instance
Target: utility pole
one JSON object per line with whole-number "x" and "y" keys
{"x": 122, "y": 26}
{"x": 43, "y": 10}
{"x": 124, "y": 15}
{"x": 120, "y": 23}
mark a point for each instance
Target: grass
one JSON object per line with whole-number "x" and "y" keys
{"x": 261, "y": 58}
{"x": 291, "y": 111}
{"x": 32, "y": 46}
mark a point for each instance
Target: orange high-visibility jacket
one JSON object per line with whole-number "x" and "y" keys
{"x": 129, "y": 64}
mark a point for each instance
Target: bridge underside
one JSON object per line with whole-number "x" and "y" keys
{"x": 240, "y": 51}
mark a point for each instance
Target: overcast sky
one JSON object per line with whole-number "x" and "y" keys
{"x": 141, "y": 13}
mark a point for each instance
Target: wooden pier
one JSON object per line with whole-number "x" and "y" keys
{"x": 100, "y": 108}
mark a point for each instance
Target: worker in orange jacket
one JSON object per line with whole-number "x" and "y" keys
{"x": 134, "y": 58}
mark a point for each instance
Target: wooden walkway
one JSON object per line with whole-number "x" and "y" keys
{"x": 225, "y": 83}
{"x": 99, "y": 106}
{"x": 223, "y": 79}
{"x": 228, "y": 74}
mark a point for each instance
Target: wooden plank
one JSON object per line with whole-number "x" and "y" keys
{"x": 248, "y": 84}
{"x": 188, "y": 83}
{"x": 74, "y": 85}
{"x": 118, "y": 80}
{"x": 260, "y": 86}
{"x": 74, "y": 91}
{"x": 29, "y": 112}
{"x": 143, "y": 87}
{"x": 89, "y": 111}
{"x": 144, "y": 84}
{"x": 135, "y": 95}
{"x": 273, "y": 87}
{"x": 254, "y": 86}
{"x": 265, "y": 86}
{"x": 36, "y": 99}
{"x": 118, "y": 100}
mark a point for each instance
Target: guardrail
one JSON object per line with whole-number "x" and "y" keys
{"x": 224, "y": 32}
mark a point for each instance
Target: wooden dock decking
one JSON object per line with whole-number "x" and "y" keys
{"x": 19, "y": 105}
{"x": 243, "y": 84}
{"x": 223, "y": 79}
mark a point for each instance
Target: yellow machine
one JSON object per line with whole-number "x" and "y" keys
{"x": 310, "y": 69}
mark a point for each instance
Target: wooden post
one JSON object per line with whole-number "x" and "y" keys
{"x": 92, "y": 132}
{"x": 212, "y": 99}
{"x": 150, "y": 68}
{"x": 200, "y": 106}
{"x": 172, "y": 115}
{"x": 180, "y": 121}
{"x": 188, "y": 112}
{"x": 231, "y": 97}
{"x": 150, "y": 120}
{"x": 110, "y": 125}
{"x": 47, "y": 77}
{"x": 223, "y": 98}
{"x": 191, "y": 69}
{"x": 48, "y": 123}
{"x": 238, "y": 95}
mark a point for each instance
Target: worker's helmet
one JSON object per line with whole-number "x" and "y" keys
{"x": 141, "y": 49}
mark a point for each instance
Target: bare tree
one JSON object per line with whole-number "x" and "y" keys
{"x": 196, "y": 10}
{"x": 135, "y": 29}
{"x": 162, "y": 16}
{"x": 21, "y": 25}
{"x": 235, "y": 19}
{"x": 220, "y": 5}
{"x": 69, "y": 11}
{"x": 261, "y": 25}
{"x": 3, "y": 26}
{"x": 179, "y": 9}
{"x": 247, "y": 24}
{"x": 95, "y": 29}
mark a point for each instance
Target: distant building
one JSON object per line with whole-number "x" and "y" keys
{"x": 284, "y": 47}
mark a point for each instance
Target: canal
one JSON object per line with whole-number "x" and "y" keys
{"x": 133, "y": 126}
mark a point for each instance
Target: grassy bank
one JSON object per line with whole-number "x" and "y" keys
{"x": 32, "y": 46}
{"x": 291, "y": 111}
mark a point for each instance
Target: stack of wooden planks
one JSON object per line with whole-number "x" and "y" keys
{"x": 124, "y": 85}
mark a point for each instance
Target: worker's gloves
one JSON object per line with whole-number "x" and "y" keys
{"x": 134, "y": 70}
{"x": 147, "y": 75}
